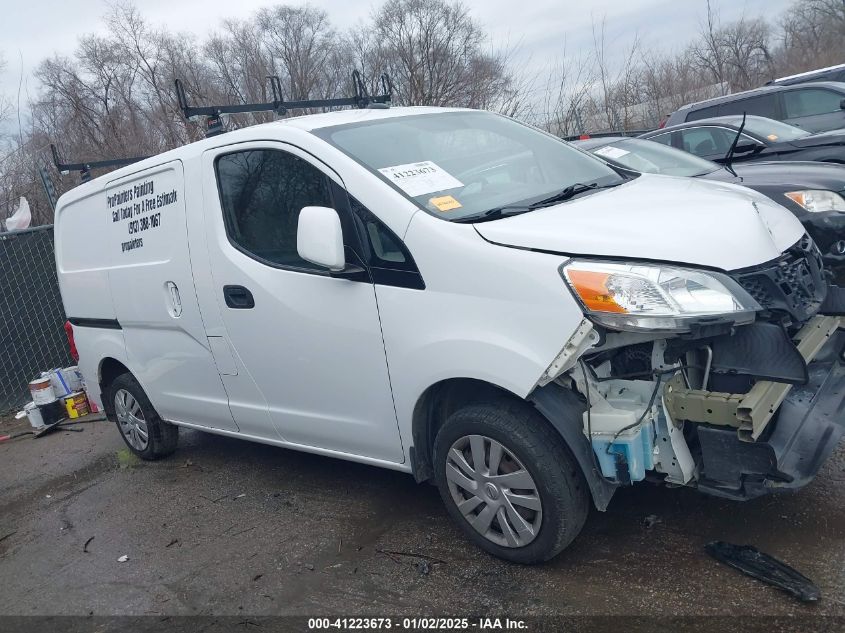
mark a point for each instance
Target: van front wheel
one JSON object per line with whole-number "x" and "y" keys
{"x": 140, "y": 426}
{"x": 509, "y": 481}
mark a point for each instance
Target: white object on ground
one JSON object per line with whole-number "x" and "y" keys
{"x": 123, "y": 559}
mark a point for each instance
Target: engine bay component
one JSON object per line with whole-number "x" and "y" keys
{"x": 760, "y": 404}
{"x": 696, "y": 405}
{"x": 751, "y": 412}
{"x": 672, "y": 455}
{"x": 762, "y": 350}
{"x": 619, "y": 423}
{"x": 834, "y": 303}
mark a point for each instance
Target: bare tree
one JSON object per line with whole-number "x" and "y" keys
{"x": 311, "y": 57}
{"x": 435, "y": 53}
{"x": 239, "y": 67}
{"x": 812, "y": 35}
{"x": 5, "y": 105}
{"x": 707, "y": 51}
{"x": 737, "y": 55}
{"x": 667, "y": 82}
{"x": 568, "y": 94}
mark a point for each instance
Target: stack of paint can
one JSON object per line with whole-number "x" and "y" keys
{"x": 44, "y": 398}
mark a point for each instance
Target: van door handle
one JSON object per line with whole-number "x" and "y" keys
{"x": 238, "y": 297}
{"x": 175, "y": 299}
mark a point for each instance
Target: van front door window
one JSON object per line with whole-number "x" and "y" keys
{"x": 262, "y": 192}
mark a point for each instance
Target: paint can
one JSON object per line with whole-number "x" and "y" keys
{"x": 52, "y": 412}
{"x": 60, "y": 387}
{"x": 72, "y": 378}
{"x": 33, "y": 414}
{"x": 76, "y": 405}
{"x": 42, "y": 391}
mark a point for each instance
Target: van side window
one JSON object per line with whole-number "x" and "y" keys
{"x": 381, "y": 246}
{"x": 703, "y": 113}
{"x": 706, "y": 141}
{"x": 663, "y": 139}
{"x": 810, "y": 102}
{"x": 388, "y": 259}
{"x": 262, "y": 192}
{"x": 764, "y": 105}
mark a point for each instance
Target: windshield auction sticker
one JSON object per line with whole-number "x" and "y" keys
{"x": 609, "y": 151}
{"x": 419, "y": 179}
{"x": 445, "y": 203}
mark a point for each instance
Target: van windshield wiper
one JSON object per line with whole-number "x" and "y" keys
{"x": 515, "y": 209}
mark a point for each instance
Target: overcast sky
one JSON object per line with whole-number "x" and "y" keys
{"x": 32, "y": 29}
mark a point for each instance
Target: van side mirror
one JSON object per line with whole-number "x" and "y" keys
{"x": 319, "y": 238}
{"x": 842, "y": 105}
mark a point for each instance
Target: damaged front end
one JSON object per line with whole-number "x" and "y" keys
{"x": 735, "y": 406}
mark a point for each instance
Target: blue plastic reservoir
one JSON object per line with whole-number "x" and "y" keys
{"x": 635, "y": 447}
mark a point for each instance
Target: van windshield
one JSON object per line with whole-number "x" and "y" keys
{"x": 459, "y": 165}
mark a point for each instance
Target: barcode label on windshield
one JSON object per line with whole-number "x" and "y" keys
{"x": 418, "y": 179}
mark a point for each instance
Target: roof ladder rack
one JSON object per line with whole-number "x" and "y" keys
{"x": 84, "y": 169}
{"x": 361, "y": 98}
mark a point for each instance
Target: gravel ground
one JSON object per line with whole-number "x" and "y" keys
{"x": 226, "y": 527}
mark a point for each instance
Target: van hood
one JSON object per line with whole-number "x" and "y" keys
{"x": 682, "y": 220}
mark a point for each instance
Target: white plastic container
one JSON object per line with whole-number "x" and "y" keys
{"x": 33, "y": 415}
{"x": 60, "y": 387}
{"x": 42, "y": 391}
{"x": 72, "y": 378}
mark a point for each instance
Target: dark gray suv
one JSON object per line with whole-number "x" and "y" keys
{"x": 817, "y": 106}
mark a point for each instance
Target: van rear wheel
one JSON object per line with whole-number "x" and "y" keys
{"x": 509, "y": 481}
{"x": 140, "y": 426}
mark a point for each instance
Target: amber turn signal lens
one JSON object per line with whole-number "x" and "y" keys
{"x": 797, "y": 196}
{"x": 592, "y": 290}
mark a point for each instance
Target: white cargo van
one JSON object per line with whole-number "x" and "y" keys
{"x": 456, "y": 295}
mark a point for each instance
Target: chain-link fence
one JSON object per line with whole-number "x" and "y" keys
{"x": 32, "y": 338}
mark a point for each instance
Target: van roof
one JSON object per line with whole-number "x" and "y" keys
{"x": 305, "y": 123}
{"x": 809, "y": 73}
{"x": 761, "y": 90}
{"x": 309, "y": 122}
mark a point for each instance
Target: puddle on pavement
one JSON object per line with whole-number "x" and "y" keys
{"x": 127, "y": 459}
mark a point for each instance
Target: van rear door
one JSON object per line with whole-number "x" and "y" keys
{"x": 155, "y": 301}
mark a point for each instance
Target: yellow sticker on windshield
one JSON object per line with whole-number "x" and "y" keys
{"x": 772, "y": 137}
{"x": 445, "y": 203}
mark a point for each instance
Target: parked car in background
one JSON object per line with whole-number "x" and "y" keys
{"x": 831, "y": 73}
{"x": 761, "y": 139}
{"x": 814, "y": 192}
{"x": 815, "y": 106}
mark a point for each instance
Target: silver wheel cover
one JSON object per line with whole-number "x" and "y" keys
{"x": 130, "y": 419}
{"x": 493, "y": 491}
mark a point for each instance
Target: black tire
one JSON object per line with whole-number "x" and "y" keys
{"x": 559, "y": 482}
{"x": 162, "y": 436}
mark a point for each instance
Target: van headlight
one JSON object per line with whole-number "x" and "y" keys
{"x": 818, "y": 200}
{"x": 653, "y": 297}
